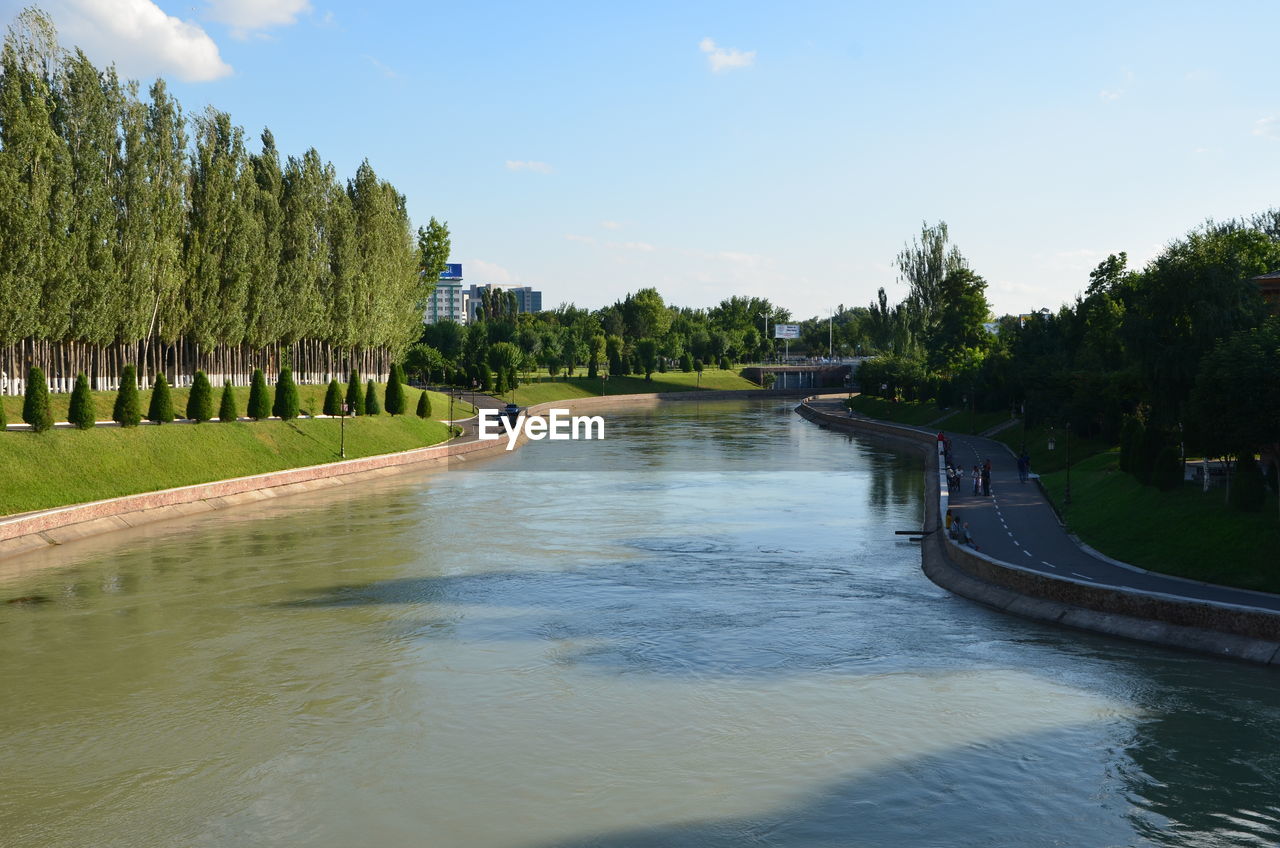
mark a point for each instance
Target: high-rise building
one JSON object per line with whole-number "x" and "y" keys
{"x": 448, "y": 302}
{"x": 527, "y": 299}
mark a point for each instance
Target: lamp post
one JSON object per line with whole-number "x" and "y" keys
{"x": 342, "y": 433}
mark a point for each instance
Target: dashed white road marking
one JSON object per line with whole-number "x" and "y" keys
{"x": 1028, "y": 553}
{"x": 1083, "y": 576}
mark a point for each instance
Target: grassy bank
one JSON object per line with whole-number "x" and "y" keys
{"x": 927, "y": 414}
{"x": 72, "y": 466}
{"x": 672, "y": 381}
{"x": 1043, "y": 460}
{"x": 1185, "y": 532}
{"x": 310, "y": 399}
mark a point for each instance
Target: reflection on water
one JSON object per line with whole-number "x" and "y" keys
{"x": 700, "y": 631}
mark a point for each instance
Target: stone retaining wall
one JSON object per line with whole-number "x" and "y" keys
{"x": 1223, "y": 629}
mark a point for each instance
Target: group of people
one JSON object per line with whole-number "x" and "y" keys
{"x": 960, "y": 531}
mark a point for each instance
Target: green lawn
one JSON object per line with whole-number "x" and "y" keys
{"x": 1043, "y": 460}
{"x": 672, "y": 381}
{"x": 1184, "y": 532}
{"x": 926, "y": 414}
{"x": 62, "y": 467}
{"x": 311, "y": 399}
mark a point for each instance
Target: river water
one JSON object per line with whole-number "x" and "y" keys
{"x": 700, "y": 631}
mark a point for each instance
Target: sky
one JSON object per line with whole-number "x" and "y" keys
{"x": 709, "y": 149}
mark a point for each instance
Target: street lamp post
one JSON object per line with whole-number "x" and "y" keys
{"x": 342, "y": 433}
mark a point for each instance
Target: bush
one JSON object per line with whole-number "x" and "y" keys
{"x": 82, "y": 413}
{"x": 371, "y": 405}
{"x": 127, "y": 411}
{"x": 161, "y": 409}
{"x": 333, "y": 399}
{"x": 1154, "y": 441}
{"x": 486, "y": 377}
{"x": 200, "y": 401}
{"x": 286, "y": 403}
{"x": 686, "y": 362}
{"x": 1167, "y": 473}
{"x": 424, "y": 405}
{"x": 698, "y": 366}
{"x": 725, "y": 364}
{"x": 394, "y": 398}
{"x": 259, "y": 401}
{"x": 1132, "y": 434}
{"x": 1247, "y": 489}
{"x": 227, "y": 411}
{"x": 355, "y": 395}
{"x": 35, "y": 404}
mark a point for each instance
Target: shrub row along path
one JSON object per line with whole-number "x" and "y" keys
{"x": 1016, "y": 524}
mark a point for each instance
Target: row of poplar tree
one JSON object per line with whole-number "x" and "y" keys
{"x": 127, "y": 409}
{"x": 132, "y": 235}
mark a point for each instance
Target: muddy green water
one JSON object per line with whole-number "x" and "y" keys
{"x": 699, "y": 632}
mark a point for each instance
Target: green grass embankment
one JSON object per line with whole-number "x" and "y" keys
{"x": 927, "y": 414}
{"x": 61, "y": 467}
{"x": 672, "y": 381}
{"x": 1043, "y": 460}
{"x": 1185, "y": 532}
{"x": 310, "y": 400}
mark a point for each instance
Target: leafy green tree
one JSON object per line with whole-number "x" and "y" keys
{"x": 1166, "y": 475}
{"x": 698, "y": 366}
{"x": 371, "y": 405}
{"x": 200, "y": 400}
{"x": 127, "y": 411}
{"x": 956, "y": 327}
{"x": 647, "y": 351}
{"x": 355, "y": 395}
{"x": 595, "y": 355}
{"x": 259, "y": 397}
{"x": 686, "y": 362}
{"x": 35, "y": 404}
{"x": 394, "y": 398}
{"x": 81, "y": 412}
{"x": 1248, "y": 491}
{"x": 424, "y": 404}
{"x": 333, "y": 399}
{"x": 161, "y": 409}
{"x": 286, "y": 404}
{"x": 725, "y": 364}
{"x": 227, "y": 412}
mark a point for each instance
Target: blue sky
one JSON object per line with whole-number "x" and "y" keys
{"x": 782, "y": 150}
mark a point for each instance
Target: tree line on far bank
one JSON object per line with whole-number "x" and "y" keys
{"x": 280, "y": 401}
{"x": 1178, "y": 358}
{"x": 131, "y": 234}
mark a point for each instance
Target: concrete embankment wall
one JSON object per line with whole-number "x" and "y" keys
{"x": 1222, "y": 629}
{"x": 37, "y": 530}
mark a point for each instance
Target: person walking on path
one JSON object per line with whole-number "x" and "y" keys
{"x": 986, "y": 479}
{"x": 1024, "y": 466}
{"x": 977, "y": 479}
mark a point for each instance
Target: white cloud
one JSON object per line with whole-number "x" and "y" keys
{"x": 521, "y": 165}
{"x": 139, "y": 38}
{"x": 610, "y": 225}
{"x": 575, "y": 237}
{"x": 388, "y": 72}
{"x": 1267, "y": 127}
{"x": 244, "y": 16}
{"x": 486, "y": 272}
{"x": 725, "y": 58}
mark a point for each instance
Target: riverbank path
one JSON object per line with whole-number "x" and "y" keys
{"x": 1016, "y": 524}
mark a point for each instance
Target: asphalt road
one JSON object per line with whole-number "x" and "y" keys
{"x": 1016, "y": 524}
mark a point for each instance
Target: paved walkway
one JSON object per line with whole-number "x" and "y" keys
{"x": 1016, "y": 524}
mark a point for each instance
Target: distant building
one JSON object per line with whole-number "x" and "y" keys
{"x": 527, "y": 299}
{"x": 1269, "y": 286}
{"x": 448, "y": 302}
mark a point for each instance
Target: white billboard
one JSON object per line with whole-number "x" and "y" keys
{"x": 786, "y": 331}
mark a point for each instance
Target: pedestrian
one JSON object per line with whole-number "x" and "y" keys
{"x": 1026, "y": 465}
{"x": 1022, "y": 470}
{"x": 950, "y": 519}
{"x": 986, "y": 482}
{"x": 967, "y": 537}
{"x": 977, "y": 479}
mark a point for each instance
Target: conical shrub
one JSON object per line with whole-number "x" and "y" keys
{"x": 395, "y": 392}
{"x": 35, "y": 404}
{"x": 355, "y": 395}
{"x": 161, "y": 409}
{"x": 227, "y": 411}
{"x": 286, "y": 405}
{"x": 424, "y": 404}
{"x": 371, "y": 405}
{"x": 81, "y": 412}
{"x": 333, "y": 399}
{"x": 127, "y": 411}
{"x": 200, "y": 401}
{"x": 259, "y": 398}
